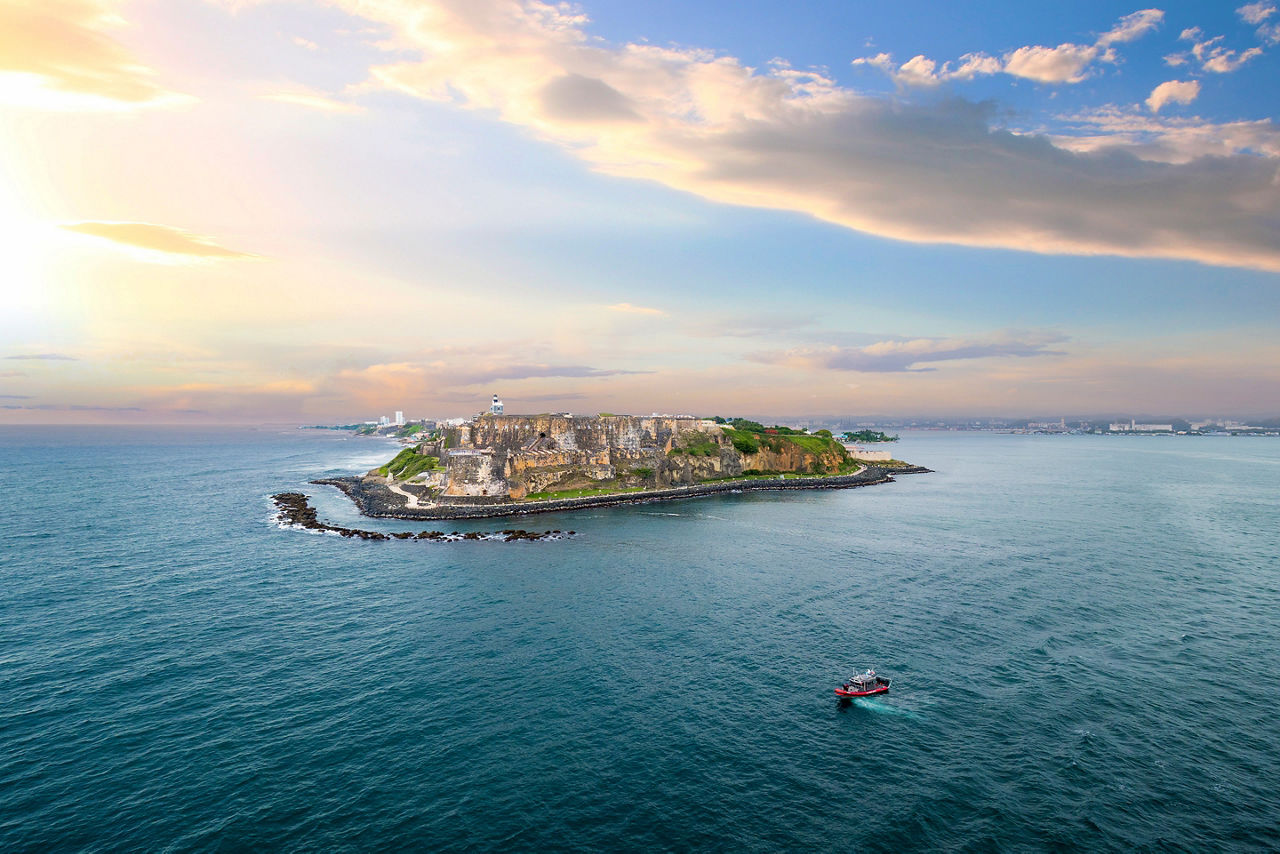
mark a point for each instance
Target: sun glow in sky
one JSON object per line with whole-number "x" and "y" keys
{"x": 328, "y": 210}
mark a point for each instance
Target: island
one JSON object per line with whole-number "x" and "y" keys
{"x": 506, "y": 465}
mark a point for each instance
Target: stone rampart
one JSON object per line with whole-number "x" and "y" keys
{"x": 471, "y": 473}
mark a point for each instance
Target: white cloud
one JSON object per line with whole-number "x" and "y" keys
{"x": 911, "y": 355}
{"x": 1132, "y": 27}
{"x": 922, "y": 71}
{"x": 1173, "y": 91}
{"x": 883, "y": 61}
{"x": 794, "y": 140}
{"x": 1226, "y": 61}
{"x": 1211, "y": 54}
{"x": 917, "y": 71}
{"x": 1256, "y": 13}
{"x": 1176, "y": 140}
{"x": 1066, "y": 63}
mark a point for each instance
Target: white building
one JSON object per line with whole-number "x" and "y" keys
{"x": 495, "y": 408}
{"x": 1133, "y": 427}
{"x": 399, "y": 418}
{"x": 383, "y": 421}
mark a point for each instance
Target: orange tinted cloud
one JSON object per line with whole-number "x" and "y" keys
{"x": 61, "y": 46}
{"x": 157, "y": 238}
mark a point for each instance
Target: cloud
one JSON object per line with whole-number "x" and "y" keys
{"x": 1066, "y": 63}
{"x": 524, "y": 372}
{"x": 1225, "y": 61}
{"x": 575, "y": 98}
{"x": 15, "y": 397}
{"x": 883, "y": 61}
{"x": 903, "y": 356}
{"x": 922, "y": 71}
{"x": 454, "y": 370}
{"x": 512, "y": 401}
{"x": 779, "y": 138}
{"x": 1132, "y": 26}
{"x": 157, "y": 238}
{"x": 314, "y": 101}
{"x": 57, "y": 54}
{"x": 1256, "y": 13}
{"x": 12, "y": 374}
{"x": 43, "y": 357}
{"x": 1165, "y": 139}
{"x": 1211, "y": 54}
{"x": 1173, "y": 91}
{"x": 69, "y": 407}
{"x": 628, "y": 308}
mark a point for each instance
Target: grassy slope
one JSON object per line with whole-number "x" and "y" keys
{"x": 408, "y": 463}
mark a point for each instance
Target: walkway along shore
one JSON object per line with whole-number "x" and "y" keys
{"x": 373, "y": 498}
{"x": 293, "y": 509}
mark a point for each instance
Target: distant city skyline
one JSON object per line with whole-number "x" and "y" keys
{"x": 247, "y": 211}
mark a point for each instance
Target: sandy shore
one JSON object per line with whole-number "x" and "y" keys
{"x": 374, "y": 498}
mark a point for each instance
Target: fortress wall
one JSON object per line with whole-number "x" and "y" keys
{"x": 628, "y": 433}
{"x": 472, "y": 473}
{"x": 488, "y": 457}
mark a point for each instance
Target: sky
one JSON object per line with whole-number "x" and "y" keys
{"x": 324, "y": 211}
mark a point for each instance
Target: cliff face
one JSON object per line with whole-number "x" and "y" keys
{"x": 509, "y": 457}
{"x": 786, "y": 456}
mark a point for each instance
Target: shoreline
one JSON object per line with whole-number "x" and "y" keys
{"x": 295, "y": 511}
{"x": 377, "y": 501}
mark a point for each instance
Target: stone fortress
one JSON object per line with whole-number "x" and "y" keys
{"x": 497, "y": 458}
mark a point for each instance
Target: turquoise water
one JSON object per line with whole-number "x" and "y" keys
{"x": 1083, "y": 633}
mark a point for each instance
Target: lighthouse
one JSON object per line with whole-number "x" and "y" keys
{"x": 495, "y": 408}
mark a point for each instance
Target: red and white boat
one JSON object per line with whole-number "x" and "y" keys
{"x": 863, "y": 685}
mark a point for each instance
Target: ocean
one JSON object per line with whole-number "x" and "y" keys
{"x": 1083, "y": 635}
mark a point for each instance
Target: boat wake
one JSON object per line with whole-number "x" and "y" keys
{"x": 881, "y": 708}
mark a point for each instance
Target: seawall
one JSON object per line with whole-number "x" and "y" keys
{"x": 374, "y": 499}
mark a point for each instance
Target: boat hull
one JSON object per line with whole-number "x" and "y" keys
{"x": 848, "y": 695}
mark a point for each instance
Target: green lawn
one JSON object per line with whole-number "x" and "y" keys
{"x": 581, "y": 493}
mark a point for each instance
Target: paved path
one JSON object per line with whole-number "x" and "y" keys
{"x": 410, "y": 500}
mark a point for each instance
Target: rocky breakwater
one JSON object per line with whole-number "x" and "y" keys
{"x": 295, "y": 510}
{"x": 374, "y": 499}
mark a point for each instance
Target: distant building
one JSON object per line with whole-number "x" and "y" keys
{"x": 1134, "y": 427}
{"x": 1059, "y": 426}
{"x": 384, "y": 421}
{"x": 399, "y": 418}
{"x": 495, "y": 408}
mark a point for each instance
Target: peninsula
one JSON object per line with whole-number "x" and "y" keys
{"x": 502, "y": 465}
